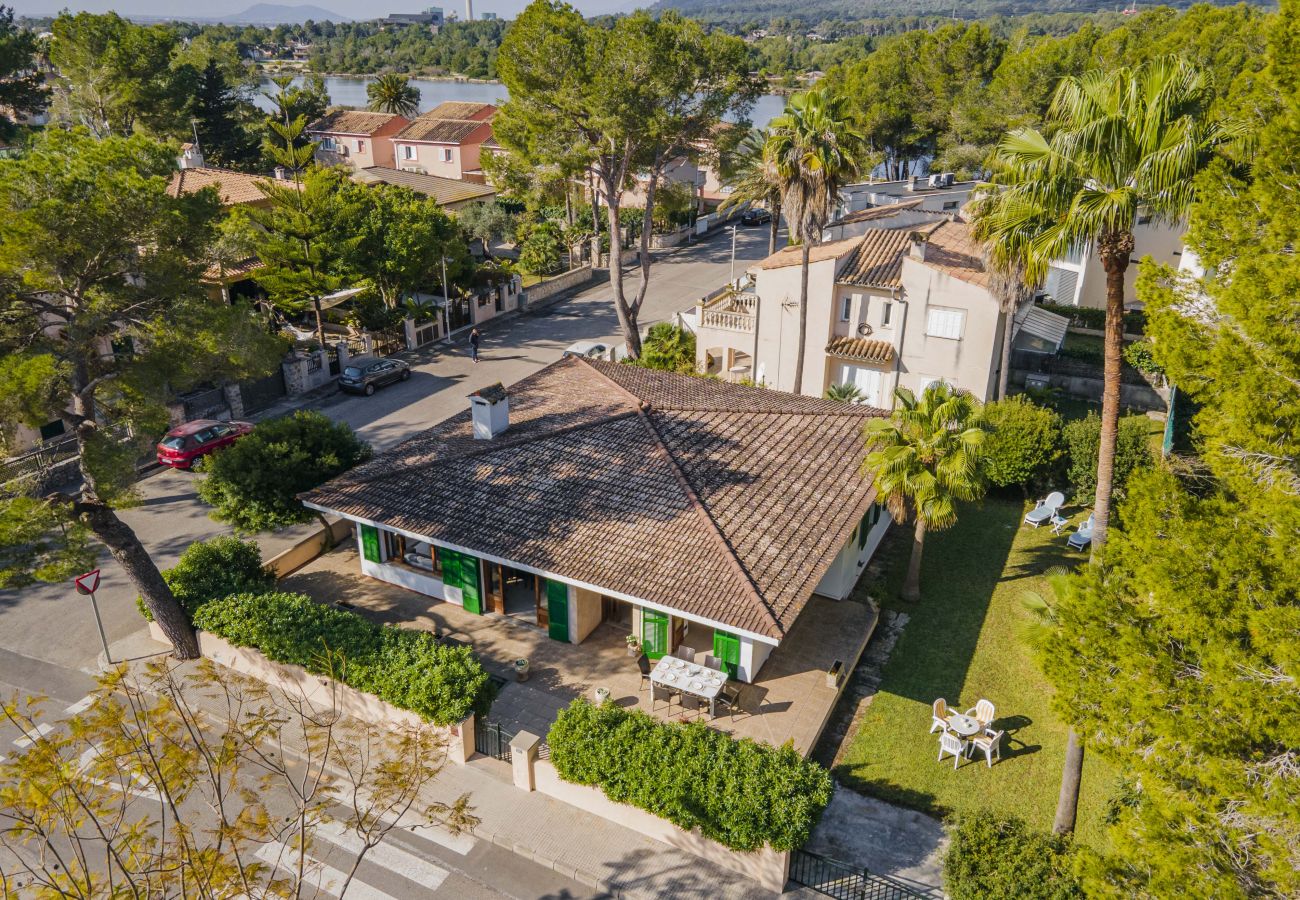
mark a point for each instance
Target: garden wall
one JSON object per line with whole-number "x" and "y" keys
{"x": 324, "y": 692}
{"x": 291, "y": 560}
{"x": 766, "y": 866}
{"x": 552, "y": 287}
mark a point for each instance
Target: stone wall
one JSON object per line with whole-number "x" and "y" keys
{"x": 553, "y": 287}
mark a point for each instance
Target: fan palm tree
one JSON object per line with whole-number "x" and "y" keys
{"x": 753, "y": 178}
{"x": 813, "y": 148}
{"x": 391, "y": 93}
{"x": 925, "y": 458}
{"x": 844, "y": 393}
{"x": 1124, "y": 143}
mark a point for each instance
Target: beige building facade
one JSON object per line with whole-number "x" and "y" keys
{"x": 893, "y": 307}
{"x": 355, "y": 138}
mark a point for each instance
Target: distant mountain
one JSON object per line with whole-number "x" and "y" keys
{"x": 280, "y": 14}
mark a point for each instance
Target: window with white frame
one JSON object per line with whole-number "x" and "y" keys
{"x": 446, "y": 154}
{"x": 846, "y": 308}
{"x": 327, "y": 143}
{"x": 886, "y": 310}
{"x": 945, "y": 323}
{"x": 408, "y": 152}
{"x": 361, "y": 146}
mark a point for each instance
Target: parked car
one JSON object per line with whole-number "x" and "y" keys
{"x": 756, "y": 217}
{"x": 186, "y": 444}
{"x": 589, "y": 349}
{"x": 364, "y": 376}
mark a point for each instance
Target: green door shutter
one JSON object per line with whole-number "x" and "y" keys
{"x": 726, "y": 647}
{"x": 557, "y": 610}
{"x": 654, "y": 633}
{"x": 370, "y": 543}
{"x": 460, "y": 570}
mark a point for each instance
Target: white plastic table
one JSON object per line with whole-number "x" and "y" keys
{"x": 689, "y": 678}
{"x": 963, "y": 726}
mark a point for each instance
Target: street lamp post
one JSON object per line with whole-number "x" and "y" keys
{"x": 733, "y": 255}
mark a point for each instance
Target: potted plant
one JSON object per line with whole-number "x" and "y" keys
{"x": 521, "y": 669}
{"x": 633, "y": 645}
{"x": 602, "y": 694}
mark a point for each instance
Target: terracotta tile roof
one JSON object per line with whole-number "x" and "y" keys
{"x": 352, "y": 121}
{"x": 952, "y": 248}
{"x": 443, "y": 131}
{"x": 232, "y": 271}
{"x": 444, "y": 190}
{"x": 860, "y": 348}
{"x": 720, "y": 501}
{"x": 790, "y": 256}
{"x": 877, "y": 261}
{"x": 234, "y": 187}
{"x": 876, "y": 213}
{"x": 461, "y": 109}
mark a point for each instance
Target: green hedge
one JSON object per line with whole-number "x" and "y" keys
{"x": 1083, "y": 442}
{"x": 994, "y": 857}
{"x": 406, "y": 668}
{"x": 1135, "y": 321}
{"x": 1025, "y": 441}
{"x": 740, "y": 793}
{"x": 214, "y": 568}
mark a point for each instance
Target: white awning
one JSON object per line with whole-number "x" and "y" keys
{"x": 1040, "y": 327}
{"x": 334, "y": 299}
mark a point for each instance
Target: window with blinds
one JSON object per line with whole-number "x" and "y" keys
{"x": 945, "y": 323}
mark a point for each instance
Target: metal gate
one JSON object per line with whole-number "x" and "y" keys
{"x": 492, "y": 740}
{"x": 844, "y": 882}
{"x": 261, "y": 393}
{"x": 332, "y": 354}
{"x": 206, "y": 403}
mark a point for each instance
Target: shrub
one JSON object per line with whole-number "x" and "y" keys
{"x": 844, "y": 393}
{"x": 1140, "y": 356}
{"x": 740, "y": 793}
{"x": 668, "y": 348}
{"x": 214, "y": 568}
{"x": 1082, "y": 440}
{"x": 1090, "y": 317}
{"x": 992, "y": 857}
{"x": 409, "y": 669}
{"x": 1025, "y": 441}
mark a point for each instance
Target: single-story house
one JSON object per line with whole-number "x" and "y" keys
{"x": 595, "y": 492}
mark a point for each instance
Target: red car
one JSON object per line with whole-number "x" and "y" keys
{"x": 186, "y": 444}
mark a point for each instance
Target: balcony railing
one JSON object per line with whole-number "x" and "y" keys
{"x": 730, "y": 312}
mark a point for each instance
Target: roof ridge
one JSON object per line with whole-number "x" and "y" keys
{"x": 701, "y": 511}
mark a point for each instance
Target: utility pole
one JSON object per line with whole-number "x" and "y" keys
{"x": 733, "y": 255}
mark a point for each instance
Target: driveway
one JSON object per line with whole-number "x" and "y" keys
{"x": 48, "y": 639}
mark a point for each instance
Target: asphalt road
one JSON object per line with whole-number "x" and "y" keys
{"x": 48, "y": 640}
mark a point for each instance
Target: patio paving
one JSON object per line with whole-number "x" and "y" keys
{"x": 790, "y": 701}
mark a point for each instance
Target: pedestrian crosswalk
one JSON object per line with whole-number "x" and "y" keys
{"x": 382, "y": 861}
{"x": 42, "y": 729}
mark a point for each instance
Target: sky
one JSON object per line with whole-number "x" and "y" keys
{"x": 353, "y": 9}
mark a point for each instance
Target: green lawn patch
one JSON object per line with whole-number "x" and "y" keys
{"x": 965, "y": 640}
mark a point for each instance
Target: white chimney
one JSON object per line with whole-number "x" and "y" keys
{"x": 469, "y": 10}
{"x": 191, "y": 156}
{"x": 489, "y": 411}
{"x": 920, "y": 240}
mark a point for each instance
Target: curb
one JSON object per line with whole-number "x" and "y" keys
{"x": 582, "y": 876}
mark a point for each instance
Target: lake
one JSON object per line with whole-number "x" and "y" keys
{"x": 351, "y": 91}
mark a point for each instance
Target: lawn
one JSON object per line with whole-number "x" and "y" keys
{"x": 966, "y": 640}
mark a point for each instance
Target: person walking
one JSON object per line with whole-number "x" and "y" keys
{"x": 474, "y": 338}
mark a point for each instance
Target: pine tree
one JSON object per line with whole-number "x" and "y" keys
{"x": 218, "y": 123}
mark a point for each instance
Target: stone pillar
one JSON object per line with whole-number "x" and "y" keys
{"x": 344, "y": 356}
{"x": 235, "y": 400}
{"x": 408, "y": 330}
{"x": 460, "y": 746}
{"x": 523, "y": 758}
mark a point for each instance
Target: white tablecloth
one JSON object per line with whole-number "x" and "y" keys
{"x": 689, "y": 678}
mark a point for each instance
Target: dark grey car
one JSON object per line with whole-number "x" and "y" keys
{"x": 364, "y": 376}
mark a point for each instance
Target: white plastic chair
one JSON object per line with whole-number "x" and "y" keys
{"x": 982, "y": 712}
{"x": 1059, "y": 523}
{"x": 1045, "y": 509}
{"x": 991, "y": 743}
{"x": 940, "y": 713}
{"x": 1082, "y": 537}
{"x": 951, "y": 744}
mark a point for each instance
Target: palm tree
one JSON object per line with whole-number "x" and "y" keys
{"x": 753, "y": 178}
{"x": 844, "y": 393}
{"x": 814, "y": 149}
{"x": 391, "y": 93}
{"x": 924, "y": 458}
{"x": 1124, "y": 143}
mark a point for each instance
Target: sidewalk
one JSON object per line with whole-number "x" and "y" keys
{"x": 589, "y": 849}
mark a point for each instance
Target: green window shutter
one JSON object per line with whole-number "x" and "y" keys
{"x": 726, "y": 647}
{"x": 654, "y": 633}
{"x": 471, "y": 593}
{"x": 557, "y": 610}
{"x": 370, "y": 543}
{"x": 868, "y": 522}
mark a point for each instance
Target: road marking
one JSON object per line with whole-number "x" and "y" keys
{"x": 146, "y": 789}
{"x": 80, "y": 706}
{"x": 411, "y": 822}
{"x": 40, "y": 731}
{"x": 394, "y": 859}
{"x": 329, "y": 879}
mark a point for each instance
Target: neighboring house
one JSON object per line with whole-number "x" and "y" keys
{"x": 596, "y": 492}
{"x": 937, "y": 193}
{"x": 907, "y": 214}
{"x": 448, "y": 192}
{"x": 891, "y": 307}
{"x": 356, "y": 138}
{"x": 442, "y": 146}
{"x": 1080, "y": 280}
{"x": 461, "y": 109}
{"x": 682, "y": 171}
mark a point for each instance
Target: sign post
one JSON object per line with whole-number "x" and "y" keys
{"x": 86, "y": 586}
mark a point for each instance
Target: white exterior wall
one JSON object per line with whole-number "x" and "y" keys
{"x": 752, "y": 656}
{"x": 842, "y": 576}
{"x": 1163, "y": 243}
{"x": 778, "y": 326}
{"x": 400, "y": 575}
{"x": 969, "y": 362}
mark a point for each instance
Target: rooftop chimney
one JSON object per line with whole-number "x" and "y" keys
{"x": 489, "y": 411}
{"x": 191, "y": 156}
{"x": 920, "y": 240}
{"x": 914, "y": 183}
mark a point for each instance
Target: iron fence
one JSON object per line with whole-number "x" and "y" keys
{"x": 262, "y": 392}
{"x": 492, "y": 740}
{"x": 844, "y": 882}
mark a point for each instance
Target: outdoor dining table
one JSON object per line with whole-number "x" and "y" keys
{"x": 963, "y": 726}
{"x": 689, "y": 678}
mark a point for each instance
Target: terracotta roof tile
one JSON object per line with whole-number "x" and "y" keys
{"x": 876, "y": 213}
{"x": 444, "y": 190}
{"x": 461, "y": 109}
{"x": 352, "y": 121}
{"x": 877, "y": 261}
{"x": 791, "y": 256}
{"x": 720, "y": 501}
{"x": 443, "y": 131}
{"x": 860, "y": 348}
{"x": 234, "y": 187}
{"x": 953, "y": 249}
